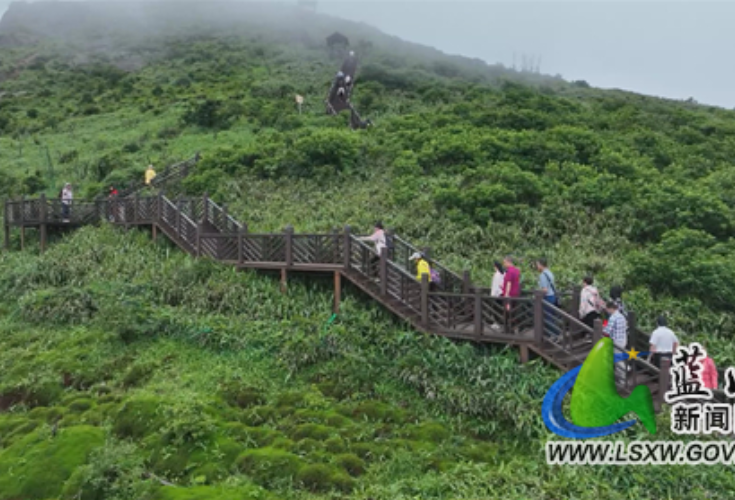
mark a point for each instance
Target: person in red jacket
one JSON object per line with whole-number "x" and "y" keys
{"x": 511, "y": 288}
{"x": 114, "y": 208}
{"x": 709, "y": 373}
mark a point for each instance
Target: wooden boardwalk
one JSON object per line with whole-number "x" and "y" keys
{"x": 461, "y": 310}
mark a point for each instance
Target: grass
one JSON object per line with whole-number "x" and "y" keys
{"x": 258, "y": 411}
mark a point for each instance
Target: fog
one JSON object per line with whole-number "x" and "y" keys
{"x": 670, "y": 49}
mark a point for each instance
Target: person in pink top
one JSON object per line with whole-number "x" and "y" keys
{"x": 511, "y": 287}
{"x": 378, "y": 238}
{"x": 709, "y": 373}
{"x": 511, "y": 279}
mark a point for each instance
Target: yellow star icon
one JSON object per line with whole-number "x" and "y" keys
{"x": 633, "y": 354}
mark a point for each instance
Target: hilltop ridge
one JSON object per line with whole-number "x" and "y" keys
{"x": 109, "y": 27}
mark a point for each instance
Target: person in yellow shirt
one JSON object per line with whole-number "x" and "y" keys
{"x": 423, "y": 267}
{"x": 150, "y": 174}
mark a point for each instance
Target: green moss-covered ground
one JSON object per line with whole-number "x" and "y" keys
{"x": 260, "y": 401}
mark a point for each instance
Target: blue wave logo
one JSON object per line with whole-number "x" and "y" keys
{"x": 596, "y": 405}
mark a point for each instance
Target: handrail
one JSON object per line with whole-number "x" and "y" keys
{"x": 229, "y": 217}
{"x": 435, "y": 263}
{"x": 181, "y": 214}
{"x": 461, "y": 311}
{"x": 169, "y": 172}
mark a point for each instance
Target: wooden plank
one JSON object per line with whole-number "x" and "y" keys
{"x": 296, "y": 267}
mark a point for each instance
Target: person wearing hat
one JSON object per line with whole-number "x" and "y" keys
{"x": 150, "y": 174}
{"x": 423, "y": 267}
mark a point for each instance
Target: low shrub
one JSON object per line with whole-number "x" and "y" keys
{"x": 270, "y": 466}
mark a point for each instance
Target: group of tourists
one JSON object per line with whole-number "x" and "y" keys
{"x": 592, "y": 307}
{"x": 506, "y": 285}
{"x": 343, "y": 80}
{"x": 381, "y": 241}
{"x": 66, "y": 195}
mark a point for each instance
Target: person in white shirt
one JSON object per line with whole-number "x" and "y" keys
{"x": 589, "y": 303}
{"x": 663, "y": 342}
{"x": 378, "y": 238}
{"x": 67, "y": 195}
{"x": 497, "y": 287}
{"x": 496, "y": 291}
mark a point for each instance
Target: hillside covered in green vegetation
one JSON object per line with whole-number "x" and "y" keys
{"x": 127, "y": 366}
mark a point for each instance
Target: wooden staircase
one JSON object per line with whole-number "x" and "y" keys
{"x": 460, "y": 310}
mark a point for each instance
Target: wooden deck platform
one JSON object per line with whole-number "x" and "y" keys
{"x": 461, "y": 310}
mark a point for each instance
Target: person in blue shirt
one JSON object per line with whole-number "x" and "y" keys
{"x": 546, "y": 285}
{"x": 546, "y": 281}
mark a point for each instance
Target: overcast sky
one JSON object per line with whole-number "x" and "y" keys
{"x": 666, "y": 48}
{"x": 671, "y": 49}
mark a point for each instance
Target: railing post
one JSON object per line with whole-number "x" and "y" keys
{"x": 6, "y": 225}
{"x": 289, "y": 246}
{"x": 335, "y": 245}
{"x": 597, "y": 331}
{"x": 178, "y": 216}
{"x": 136, "y": 203}
{"x": 199, "y": 240}
{"x": 574, "y": 305}
{"x": 337, "y": 291}
{"x": 240, "y": 242}
{"x": 538, "y": 317}
{"x": 42, "y": 211}
{"x": 632, "y": 326}
{"x": 159, "y": 208}
{"x": 466, "y": 282}
{"x": 392, "y": 235}
{"x": 347, "y": 246}
{"x": 425, "y": 300}
{"x": 205, "y": 207}
{"x": 225, "y": 228}
{"x": 22, "y": 222}
{"x": 664, "y": 381}
{"x": 478, "y": 326}
{"x": 384, "y": 271}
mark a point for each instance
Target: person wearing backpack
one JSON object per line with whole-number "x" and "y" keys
{"x": 546, "y": 282}
{"x": 591, "y": 304}
{"x": 436, "y": 279}
{"x": 546, "y": 285}
{"x": 423, "y": 267}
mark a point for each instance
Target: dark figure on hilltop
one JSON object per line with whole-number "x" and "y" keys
{"x": 340, "y": 92}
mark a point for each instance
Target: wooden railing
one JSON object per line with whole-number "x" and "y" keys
{"x": 170, "y": 175}
{"x": 451, "y": 281}
{"x": 459, "y": 309}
